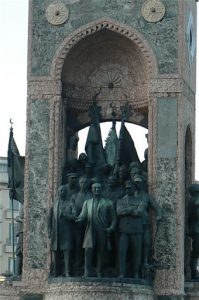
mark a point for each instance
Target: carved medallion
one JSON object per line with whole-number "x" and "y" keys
{"x": 57, "y": 13}
{"x": 153, "y": 10}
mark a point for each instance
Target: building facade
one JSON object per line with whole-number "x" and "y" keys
{"x": 6, "y": 237}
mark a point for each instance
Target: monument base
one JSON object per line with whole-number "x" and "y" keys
{"x": 62, "y": 288}
{"x": 98, "y": 290}
{"x": 74, "y": 289}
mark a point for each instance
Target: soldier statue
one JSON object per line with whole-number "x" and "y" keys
{"x": 60, "y": 228}
{"x": 77, "y": 201}
{"x": 148, "y": 203}
{"x": 72, "y": 186}
{"x": 130, "y": 227}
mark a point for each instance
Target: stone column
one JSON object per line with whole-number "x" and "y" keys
{"x": 167, "y": 183}
{"x": 41, "y": 174}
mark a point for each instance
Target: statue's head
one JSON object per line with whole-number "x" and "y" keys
{"x": 83, "y": 158}
{"x": 112, "y": 181}
{"x": 123, "y": 172}
{"x": 135, "y": 168}
{"x": 83, "y": 183}
{"x": 62, "y": 191}
{"x": 88, "y": 168}
{"x": 138, "y": 180}
{"x": 72, "y": 179}
{"x": 97, "y": 189}
{"x": 129, "y": 186}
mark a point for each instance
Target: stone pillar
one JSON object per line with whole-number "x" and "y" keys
{"x": 170, "y": 275}
{"x": 171, "y": 111}
{"x": 41, "y": 174}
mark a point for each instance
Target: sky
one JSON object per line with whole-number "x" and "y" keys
{"x": 13, "y": 80}
{"x": 13, "y": 67}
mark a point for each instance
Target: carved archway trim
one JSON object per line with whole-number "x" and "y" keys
{"x": 91, "y": 28}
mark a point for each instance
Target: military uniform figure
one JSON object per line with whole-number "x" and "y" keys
{"x": 112, "y": 190}
{"x": 60, "y": 227}
{"x": 77, "y": 201}
{"x": 194, "y": 229}
{"x": 130, "y": 226}
{"x": 71, "y": 186}
{"x": 148, "y": 203}
{"x": 100, "y": 217}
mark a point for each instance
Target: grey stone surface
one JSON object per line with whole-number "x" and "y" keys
{"x": 38, "y": 185}
{"x": 79, "y": 291}
{"x": 166, "y": 196}
{"x": 162, "y": 36}
{"x": 167, "y": 128}
{"x": 167, "y": 181}
{"x": 170, "y": 298}
{"x": 32, "y": 297}
{"x": 98, "y": 291}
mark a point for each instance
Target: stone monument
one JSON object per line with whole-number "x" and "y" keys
{"x": 89, "y": 61}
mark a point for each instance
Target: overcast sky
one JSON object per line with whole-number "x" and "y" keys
{"x": 13, "y": 84}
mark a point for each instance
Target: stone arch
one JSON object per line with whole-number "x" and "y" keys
{"x": 93, "y": 27}
{"x": 76, "y": 115}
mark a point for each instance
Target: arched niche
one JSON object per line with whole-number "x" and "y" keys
{"x": 106, "y": 61}
{"x": 112, "y": 67}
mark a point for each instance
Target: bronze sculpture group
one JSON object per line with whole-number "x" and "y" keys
{"x": 100, "y": 223}
{"x": 90, "y": 226}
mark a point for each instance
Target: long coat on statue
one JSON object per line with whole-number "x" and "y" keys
{"x": 106, "y": 217}
{"x": 60, "y": 225}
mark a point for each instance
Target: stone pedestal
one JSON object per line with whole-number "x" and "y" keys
{"x": 98, "y": 291}
{"x": 78, "y": 289}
